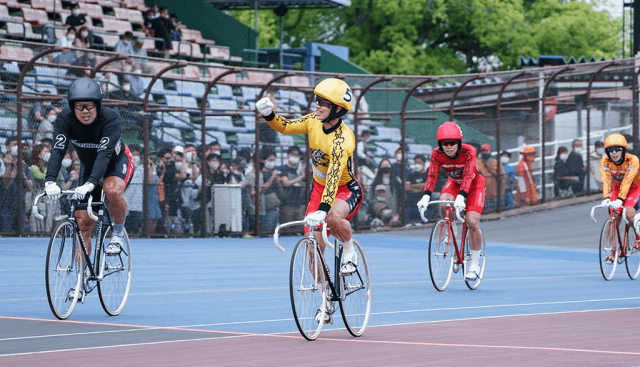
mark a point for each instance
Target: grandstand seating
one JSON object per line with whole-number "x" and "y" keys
{"x": 183, "y": 88}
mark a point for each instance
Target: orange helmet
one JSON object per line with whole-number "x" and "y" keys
{"x": 615, "y": 140}
{"x": 528, "y": 150}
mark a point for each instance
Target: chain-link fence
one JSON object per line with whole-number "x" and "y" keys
{"x": 198, "y": 143}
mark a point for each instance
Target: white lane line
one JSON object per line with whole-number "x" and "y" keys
{"x": 281, "y": 288}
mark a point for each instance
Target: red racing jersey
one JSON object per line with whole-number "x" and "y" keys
{"x": 462, "y": 169}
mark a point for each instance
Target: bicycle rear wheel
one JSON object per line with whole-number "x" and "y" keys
{"x": 63, "y": 275}
{"x": 608, "y": 253}
{"x": 633, "y": 254}
{"x": 441, "y": 254}
{"x": 355, "y": 291}
{"x": 307, "y": 288}
{"x": 115, "y": 285}
{"x": 475, "y": 283}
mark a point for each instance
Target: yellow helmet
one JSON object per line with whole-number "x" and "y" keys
{"x": 335, "y": 91}
{"x": 615, "y": 140}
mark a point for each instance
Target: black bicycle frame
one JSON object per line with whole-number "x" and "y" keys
{"x": 100, "y": 222}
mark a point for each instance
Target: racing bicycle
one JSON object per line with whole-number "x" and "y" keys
{"x": 314, "y": 294}
{"x": 67, "y": 281}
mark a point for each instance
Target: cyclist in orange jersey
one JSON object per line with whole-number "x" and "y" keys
{"x": 620, "y": 180}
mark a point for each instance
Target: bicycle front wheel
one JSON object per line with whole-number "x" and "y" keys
{"x": 633, "y": 254}
{"x": 116, "y": 282}
{"x": 307, "y": 288}
{"x": 63, "y": 275}
{"x": 608, "y": 253}
{"x": 355, "y": 291}
{"x": 441, "y": 254}
{"x": 475, "y": 283}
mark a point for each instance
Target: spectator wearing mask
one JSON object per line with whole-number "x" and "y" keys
{"x": 45, "y": 130}
{"x": 526, "y": 189}
{"x": 291, "y": 179}
{"x": 387, "y": 177}
{"x": 510, "y": 178}
{"x": 124, "y": 46}
{"x": 562, "y": 181}
{"x": 162, "y": 28}
{"x": 576, "y": 166}
{"x": 38, "y": 168}
{"x": 594, "y": 164}
{"x": 75, "y": 19}
{"x": 414, "y": 188}
{"x": 147, "y": 25}
{"x": 397, "y": 165}
{"x": 37, "y": 113}
{"x": 66, "y": 56}
{"x": 189, "y": 191}
{"x": 380, "y": 210}
{"x": 175, "y": 172}
{"x": 141, "y": 64}
{"x": 9, "y": 188}
{"x": 493, "y": 173}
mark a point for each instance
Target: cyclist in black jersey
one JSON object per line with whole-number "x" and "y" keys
{"x": 106, "y": 161}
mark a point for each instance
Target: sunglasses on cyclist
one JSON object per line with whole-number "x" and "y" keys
{"x": 614, "y": 149}
{"x": 323, "y": 102}
{"x": 82, "y": 106}
{"x": 449, "y": 143}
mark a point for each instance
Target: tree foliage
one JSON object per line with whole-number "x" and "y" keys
{"x": 437, "y": 37}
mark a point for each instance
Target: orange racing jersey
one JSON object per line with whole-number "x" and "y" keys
{"x": 331, "y": 151}
{"x": 624, "y": 175}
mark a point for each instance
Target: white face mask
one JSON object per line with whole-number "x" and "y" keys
{"x": 418, "y": 167}
{"x": 564, "y": 156}
{"x": 84, "y": 34}
{"x": 127, "y": 42}
{"x": 127, "y": 68}
{"x": 214, "y": 166}
{"x": 399, "y": 157}
{"x": 136, "y": 160}
{"x": 178, "y": 166}
{"x": 46, "y": 157}
{"x": 629, "y": 146}
{"x": 599, "y": 151}
{"x": 52, "y": 118}
{"x": 14, "y": 150}
{"x": 188, "y": 156}
{"x": 215, "y": 152}
{"x": 126, "y": 87}
{"x": 66, "y": 163}
{"x": 71, "y": 37}
{"x": 137, "y": 71}
{"x": 578, "y": 150}
{"x": 504, "y": 160}
{"x": 76, "y": 12}
{"x": 156, "y": 15}
{"x": 294, "y": 160}
{"x": 381, "y": 198}
{"x": 270, "y": 164}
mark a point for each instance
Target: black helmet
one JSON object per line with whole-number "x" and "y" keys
{"x": 84, "y": 89}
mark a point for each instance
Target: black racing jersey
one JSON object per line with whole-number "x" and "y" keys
{"x": 97, "y": 144}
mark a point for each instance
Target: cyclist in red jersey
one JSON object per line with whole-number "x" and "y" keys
{"x": 465, "y": 184}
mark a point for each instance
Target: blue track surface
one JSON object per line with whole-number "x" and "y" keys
{"x": 242, "y": 285}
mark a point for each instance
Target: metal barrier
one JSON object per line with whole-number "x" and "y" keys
{"x": 211, "y": 107}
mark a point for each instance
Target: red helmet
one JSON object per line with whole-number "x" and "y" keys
{"x": 449, "y": 131}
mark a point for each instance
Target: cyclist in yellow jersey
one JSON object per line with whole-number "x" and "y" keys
{"x": 336, "y": 195}
{"x": 620, "y": 180}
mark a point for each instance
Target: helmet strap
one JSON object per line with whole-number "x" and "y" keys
{"x": 334, "y": 114}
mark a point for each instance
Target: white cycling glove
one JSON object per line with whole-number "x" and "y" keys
{"x": 459, "y": 204}
{"x": 315, "y": 218}
{"x": 636, "y": 223}
{"x": 423, "y": 203}
{"x": 605, "y": 202}
{"x": 52, "y": 190}
{"x": 616, "y": 204}
{"x": 82, "y": 191}
{"x": 265, "y": 106}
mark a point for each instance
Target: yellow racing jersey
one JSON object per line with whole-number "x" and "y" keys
{"x": 331, "y": 150}
{"x": 624, "y": 175}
